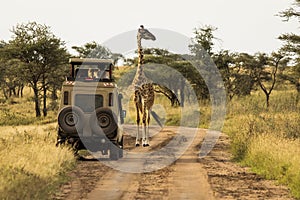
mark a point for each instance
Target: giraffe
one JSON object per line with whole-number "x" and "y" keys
{"x": 143, "y": 90}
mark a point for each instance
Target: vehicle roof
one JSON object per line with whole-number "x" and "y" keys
{"x": 90, "y": 60}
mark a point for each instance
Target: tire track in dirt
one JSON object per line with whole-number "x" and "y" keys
{"x": 212, "y": 177}
{"x": 189, "y": 179}
{"x": 122, "y": 185}
{"x": 184, "y": 179}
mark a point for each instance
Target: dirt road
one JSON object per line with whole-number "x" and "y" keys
{"x": 150, "y": 173}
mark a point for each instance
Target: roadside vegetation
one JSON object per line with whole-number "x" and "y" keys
{"x": 262, "y": 96}
{"x": 31, "y": 166}
{"x": 267, "y": 140}
{"x": 17, "y": 111}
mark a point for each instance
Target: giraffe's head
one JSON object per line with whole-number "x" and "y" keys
{"x": 145, "y": 34}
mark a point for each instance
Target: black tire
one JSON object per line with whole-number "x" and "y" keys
{"x": 114, "y": 152}
{"x": 121, "y": 149}
{"x": 121, "y": 154}
{"x": 103, "y": 121}
{"x": 71, "y": 119}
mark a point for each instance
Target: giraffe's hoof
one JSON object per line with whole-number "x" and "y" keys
{"x": 146, "y": 145}
{"x": 137, "y": 145}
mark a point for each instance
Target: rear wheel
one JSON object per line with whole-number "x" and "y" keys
{"x": 103, "y": 121}
{"x": 70, "y": 119}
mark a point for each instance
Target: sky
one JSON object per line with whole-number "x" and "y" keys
{"x": 242, "y": 25}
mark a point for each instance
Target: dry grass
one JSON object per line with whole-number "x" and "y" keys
{"x": 31, "y": 167}
{"x": 268, "y": 140}
{"x": 20, "y": 111}
{"x": 189, "y": 116}
{"x": 276, "y": 158}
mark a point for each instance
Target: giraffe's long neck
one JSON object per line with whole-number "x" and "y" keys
{"x": 140, "y": 53}
{"x": 140, "y": 77}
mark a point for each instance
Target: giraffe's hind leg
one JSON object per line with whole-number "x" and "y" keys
{"x": 147, "y": 128}
{"x": 137, "y": 139}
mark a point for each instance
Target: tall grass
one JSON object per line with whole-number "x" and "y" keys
{"x": 277, "y": 158}
{"x": 268, "y": 140}
{"x": 31, "y": 167}
{"x": 22, "y": 113}
{"x": 189, "y": 116}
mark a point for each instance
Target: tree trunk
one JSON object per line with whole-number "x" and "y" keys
{"x": 45, "y": 103}
{"x": 22, "y": 88}
{"x": 267, "y": 99}
{"x": 14, "y": 91}
{"x": 298, "y": 93}
{"x": 54, "y": 96}
{"x": 20, "y": 91}
{"x": 182, "y": 99}
{"x": 9, "y": 92}
{"x": 36, "y": 100}
{"x": 44, "y": 98}
{"x": 4, "y": 93}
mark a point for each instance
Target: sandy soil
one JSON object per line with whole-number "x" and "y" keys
{"x": 189, "y": 177}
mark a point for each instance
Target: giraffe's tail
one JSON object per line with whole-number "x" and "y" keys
{"x": 157, "y": 118}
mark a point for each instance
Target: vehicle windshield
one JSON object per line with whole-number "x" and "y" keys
{"x": 92, "y": 71}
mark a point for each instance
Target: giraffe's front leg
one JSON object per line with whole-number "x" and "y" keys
{"x": 137, "y": 139}
{"x": 145, "y": 139}
{"x": 146, "y": 129}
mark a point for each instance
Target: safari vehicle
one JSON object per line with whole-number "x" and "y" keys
{"x": 90, "y": 109}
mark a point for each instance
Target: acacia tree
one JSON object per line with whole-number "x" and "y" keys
{"x": 2, "y": 69}
{"x": 201, "y": 49}
{"x": 292, "y": 46}
{"x": 95, "y": 50}
{"x": 41, "y": 54}
{"x": 203, "y": 41}
{"x": 267, "y": 71}
{"x": 11, "y": 81}
{"x": 225, "y": 63}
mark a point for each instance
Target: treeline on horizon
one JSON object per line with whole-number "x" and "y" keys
{"x": 35, "y": 57}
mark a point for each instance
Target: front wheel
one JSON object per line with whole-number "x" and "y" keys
{"x": 70, "y": 119}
